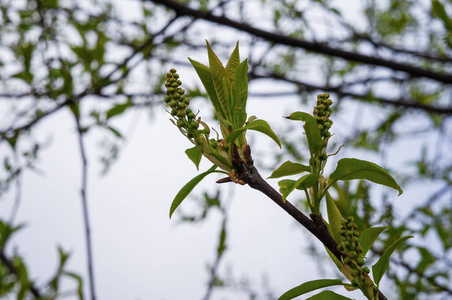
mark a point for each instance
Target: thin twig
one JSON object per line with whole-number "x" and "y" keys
{"x": 18, "y": 195}
{"x": 85, "y": 206}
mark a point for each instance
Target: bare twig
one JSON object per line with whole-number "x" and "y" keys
{"x": 85, "y": 206}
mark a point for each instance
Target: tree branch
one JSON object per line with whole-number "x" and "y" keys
{"x": 321, "y": 48}
{"x": 85, "y": 206}
{"x": 401, "y": 102}
{"x": 316, "y": 226}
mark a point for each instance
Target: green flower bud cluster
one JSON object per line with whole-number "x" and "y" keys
{"x": 185, "y": 119}
{"x": 350, "y": 245}
{"x": 322, "y": 113}
{"x": 193, "y": 128}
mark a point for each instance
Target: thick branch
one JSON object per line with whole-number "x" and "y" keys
{"x": 321, "y": 48}
{"x": 316, "y": 226}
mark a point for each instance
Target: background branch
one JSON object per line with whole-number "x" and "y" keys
{"x": 321, "y": 48}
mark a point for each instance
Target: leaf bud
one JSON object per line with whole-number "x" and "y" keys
{"x": 366, "y": 270}
{"x": 175, "y": 85}
{"x": 167, "y": 99}
{"x": 190, "y": 115}
{"x": 207, "y": 130}
{"x": 354, "y": 254}
{"x": 173, "y": 103}
{"x": 194, "y": 124}
{"x": 346, "y": 260}
{"x": 213, "y": 143}
{"x": 173, "y": 70}
{"x": 174, "y": 112}
{"x": 360, "y": 261}
{"x": 180, "y": 123}
{"x": 170, "y": 91}
{"x": 176, "y": 96}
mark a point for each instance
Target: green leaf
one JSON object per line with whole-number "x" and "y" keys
{"x": 286, "y": 186}
{"x": 382, "y": 265}
{"x": 240, "y": 88}
{"x": 439, "y": 10}
{"x": 115, "y": 132}
{"x": 233, "y": 63}
{"x": 308, "y": 287}
{"x": 257, "y": 125}
{"x": 289, "y": 168}
{"x": 312, "y": 131}
{"x": 206, "y": 79}
{"x": 328, "y": 295}
{"x": 220, "y": 80}
{"x": 351, "y": 168}
{"x": 334, "y": 218}
{"x": 222, "y": 243}
{"x": 427, "y": 259}
{"x": 117, "y": 110}
{"x": 195, "y": 155}
{"x": 79, "y": 280}
{"x": 369, "y": 236}
{"x": 183, "y": 193}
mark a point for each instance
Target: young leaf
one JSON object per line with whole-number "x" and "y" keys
{"x": 79, "y": 280}
{"x": 195, "y": 155}
{"x": 328, "y": 295}
{"x": 240, "y": 93}
{"x": 233, "y": 63}
{"x": 287, "y": 186}
{"x": 334, "y": 218}
{"x": 309, "y": 287}
{"x": 206, "y": 79}
{"x": 312, "y": 131}
{"x": 289, "y": 168}
{"x": 258, "y": 125}
{"x": 183, "y": 193}
{"x": 220, "y": 81}
{"x": 368, "y": 237}
{"x": 351, "y": 168}
{"x": 382, "y": 265}
{"x": 115, "y": 132}
{"x": 117, "y": 110}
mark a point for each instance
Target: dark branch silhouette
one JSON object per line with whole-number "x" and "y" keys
{"x": 321, "y": 48}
